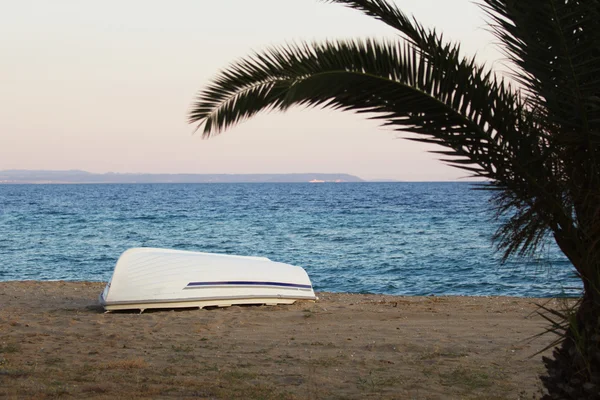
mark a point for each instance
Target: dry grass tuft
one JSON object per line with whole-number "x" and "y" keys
{"x": 9, "y": 348}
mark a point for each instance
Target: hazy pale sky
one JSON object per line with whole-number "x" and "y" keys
{"x": 106, "y": 86}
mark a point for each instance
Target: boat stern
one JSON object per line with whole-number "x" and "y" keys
{"x": 103, "y": 295}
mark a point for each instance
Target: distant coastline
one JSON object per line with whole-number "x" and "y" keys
{"x": 78, "y": 176}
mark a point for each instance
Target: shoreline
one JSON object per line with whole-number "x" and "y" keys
{"x": 56, "y": 341}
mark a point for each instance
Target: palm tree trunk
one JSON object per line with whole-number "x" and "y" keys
{"x": 573, "y": 372}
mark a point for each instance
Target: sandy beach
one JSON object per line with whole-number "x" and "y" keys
{"x": 55, "y": 342}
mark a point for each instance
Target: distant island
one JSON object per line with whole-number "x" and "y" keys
{"x": 77, "y": 176}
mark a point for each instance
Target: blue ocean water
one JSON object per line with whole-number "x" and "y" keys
{"x": 392, "y": 238}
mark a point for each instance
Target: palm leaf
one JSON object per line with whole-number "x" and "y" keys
{"x": 443, "y": 99}
{"x": 559, "y": 323}
{"x": 558, "y": 61}
{"x": 408, "y": 93}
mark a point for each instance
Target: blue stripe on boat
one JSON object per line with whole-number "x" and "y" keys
{"x": 292, "y": 285}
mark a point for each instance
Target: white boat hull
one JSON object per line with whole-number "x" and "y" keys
{"x": 146, "y": 278}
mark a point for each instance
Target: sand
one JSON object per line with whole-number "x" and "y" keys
{"x": 55, "y": 342}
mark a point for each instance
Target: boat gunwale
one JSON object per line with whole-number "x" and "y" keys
{"x": 103, "y": 302}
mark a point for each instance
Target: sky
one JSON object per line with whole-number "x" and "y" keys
{"x": 105, "y": 86}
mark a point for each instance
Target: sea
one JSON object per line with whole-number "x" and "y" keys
{"x": 400, "y": 238}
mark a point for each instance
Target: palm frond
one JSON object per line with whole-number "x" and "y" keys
{"x": 556, "y": 46}
{"x": 389, "y": 14}
{"x": 436, "y": 99}
{"x": 559, "y": 322}
{"x": 428, "y": 41}
{"x": 445, "y": 100}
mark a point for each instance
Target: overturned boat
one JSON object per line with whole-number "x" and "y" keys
{"x": 147, "y": 278}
